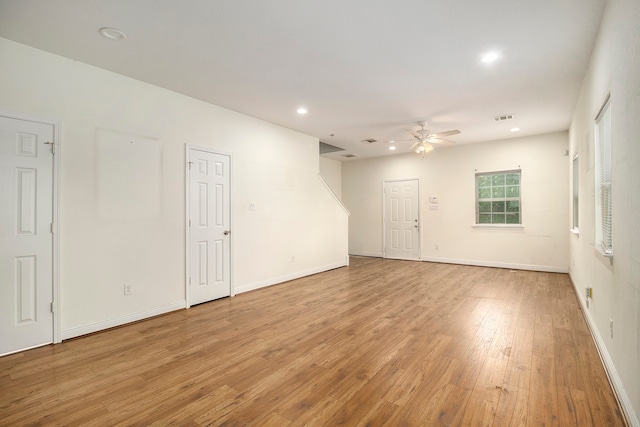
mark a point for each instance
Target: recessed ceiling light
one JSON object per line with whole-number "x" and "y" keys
{"x": 301, "y": 111}
{"x": 515, "y": 129}
{"x": 112, "y": 33}
{"x": 393, "y": 147}
{"x": 490, "y": 57}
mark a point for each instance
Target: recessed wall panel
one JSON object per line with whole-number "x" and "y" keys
{"x": 408, "y": 240}
{"x": 395, "y": 215}
{"x": 26, "y": 181}
{"x": 219, "y": 194}
{"x": 203, "y": 266}
{"x": 219, "y": 166}
{"x": 203, "y": 204}
{"x": 408, "y": 214}
{"x": 219, "y": 257}
{"x": 129, "y": 176}
{"x": 26, "y": 144}
{"x": 25, "y": 289}
{"x": 203, "y": 166}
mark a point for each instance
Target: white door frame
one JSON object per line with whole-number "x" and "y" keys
{"x": 55, "y": 227}
{"x": 384, "y": 243}
{"x": 187, "y": 200}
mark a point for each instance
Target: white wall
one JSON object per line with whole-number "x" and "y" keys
{"x": 331, "y": 171}
{"x": 297, "y": 229}
{"x": 615, "y": 70}
{"x": 449, "y": 174}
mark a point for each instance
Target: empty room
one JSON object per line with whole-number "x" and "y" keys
{"x": 319, "y": 213}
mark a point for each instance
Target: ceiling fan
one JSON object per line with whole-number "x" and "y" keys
{"x": 425, "y": 140}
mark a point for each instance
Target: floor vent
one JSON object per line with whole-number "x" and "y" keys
{"x": 349, "y": 155}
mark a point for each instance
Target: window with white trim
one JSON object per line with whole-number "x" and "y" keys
{"x": 603, "y": 206}
{"x": 576, "y": 187}
{"x": 498, "y": 198}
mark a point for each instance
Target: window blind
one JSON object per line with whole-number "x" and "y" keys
{"x": 603, "y": 179}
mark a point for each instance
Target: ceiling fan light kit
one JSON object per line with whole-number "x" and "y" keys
{"x": 424, "y": 140}
{"x": 423, "y": 148}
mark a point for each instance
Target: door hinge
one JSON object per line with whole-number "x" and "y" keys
{"x": 189, "y": 280}
{"x": 189, "y": 163}
{"x": 52, "y": 308}
{"x": 189, "y": 223}
{"x": 53, "y": 146}
{"x": 51, "y": 228}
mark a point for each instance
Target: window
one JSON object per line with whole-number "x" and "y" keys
{"x": 576, "y": 187}
{"x": 498, "y": 198}
{"x": 603, "y": 180}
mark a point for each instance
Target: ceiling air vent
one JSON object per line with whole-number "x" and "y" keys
{"x": 503, "y": 118}
{"x": 349, "y": 155}
{"x": 368, "y": 141}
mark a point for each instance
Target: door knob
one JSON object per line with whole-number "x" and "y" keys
{"x": 227, "y": 232}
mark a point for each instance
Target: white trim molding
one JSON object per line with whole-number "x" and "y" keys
{"x": 287, "y": 277}
{"x": 365, "y": 253}
{"x": 122, "y": 320}
{"x": 511, "y": 266}
{"x": 499, "y": 226}
{"x": 333, "y": 193}
{"x": 609, "y": 367}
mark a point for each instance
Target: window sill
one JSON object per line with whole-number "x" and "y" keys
{"x": 575, "y": 231}
{"x": 499, "y": 226}
{"x": 606, "y": 255}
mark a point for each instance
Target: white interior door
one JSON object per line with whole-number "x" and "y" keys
{"x": 209, "y": 226}
{"x": 26, "y": 241}
{"x": 401, "y": 219}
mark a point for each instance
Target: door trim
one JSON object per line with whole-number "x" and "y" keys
{"x": 384, "y": 242}
{"x": 56, "y": 334}
{"x": 187, "y": 261}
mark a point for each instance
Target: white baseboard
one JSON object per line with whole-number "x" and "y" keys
{"x": 609, "y": 366}
{"x": 274, "y": 281}
{"x": 531, "y": 267}
{"x": 370, "y": 254}
{"x": 122, "y": 320}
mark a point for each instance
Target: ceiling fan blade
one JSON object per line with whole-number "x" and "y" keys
{"x": 413, "y": 147}
{"x": 439, "y": 141}
{"x": 447, "y": 133}
{"x": 400, "y": 140}
{"x": 414, "y": 133}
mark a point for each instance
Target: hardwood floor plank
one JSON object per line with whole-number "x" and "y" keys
{"x": 543, "y": 394}
{"x": 381, "y": 342}
{"x": 513, "y": 408}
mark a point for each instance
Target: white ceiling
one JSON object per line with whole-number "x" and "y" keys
{"x": 363, "y": 68}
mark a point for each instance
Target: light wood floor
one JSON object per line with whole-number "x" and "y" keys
{"x": 381, "y": 342}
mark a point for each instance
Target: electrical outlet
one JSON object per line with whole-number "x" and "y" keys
{"x": 293, "y": 259}
{"x": 128, "y": 288}
{"x": 437, "y": 247}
